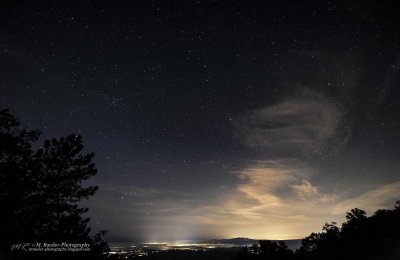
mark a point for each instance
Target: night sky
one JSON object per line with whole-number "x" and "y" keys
{"x": 214, "y": 119}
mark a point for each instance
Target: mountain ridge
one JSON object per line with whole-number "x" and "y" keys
{"x": 244, "y": 241}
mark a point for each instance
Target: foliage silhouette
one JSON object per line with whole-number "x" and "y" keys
{"x": 360, "y": 237}
{"x": 40, "y": 191}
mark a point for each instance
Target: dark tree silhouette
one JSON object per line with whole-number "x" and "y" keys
{"x": 40, "y": 189}
{"x": 325, "y": 244}
{"x": 361, "y": 237}
{"x": 273, "y": 250}
{"x": 309, "y": 244}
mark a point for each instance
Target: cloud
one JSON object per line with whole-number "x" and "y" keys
{"x": 305, "y": 189}
{"x": 274, "y": 199}
{"x": 277, "y": 199}
{"x": 379, "y": 197}
{"x": 263, "y": 204}
{"x": 266, "y": 177}
{"x": 307, "y": 124}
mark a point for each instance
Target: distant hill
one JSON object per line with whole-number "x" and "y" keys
{"x": 240, "y": 241}
{"x": 243, "y": 241}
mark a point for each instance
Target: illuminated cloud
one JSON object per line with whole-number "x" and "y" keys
{"x": 277, "y": 200}
{"x": 378, "y": 197}
{"x": 305, "y": 189}
{"x": 274, "y": 199}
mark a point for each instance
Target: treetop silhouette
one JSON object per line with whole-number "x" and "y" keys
{"x": 40, "y": 189}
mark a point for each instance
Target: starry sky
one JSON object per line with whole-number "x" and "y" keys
{"x": 214, "y": 119}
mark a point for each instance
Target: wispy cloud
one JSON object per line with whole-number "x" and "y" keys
{"x": 277, "y": 199}
{"x": 307, "y": 124}
{"x": 382, "y": 196}
{"x": 273, "y": 198}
